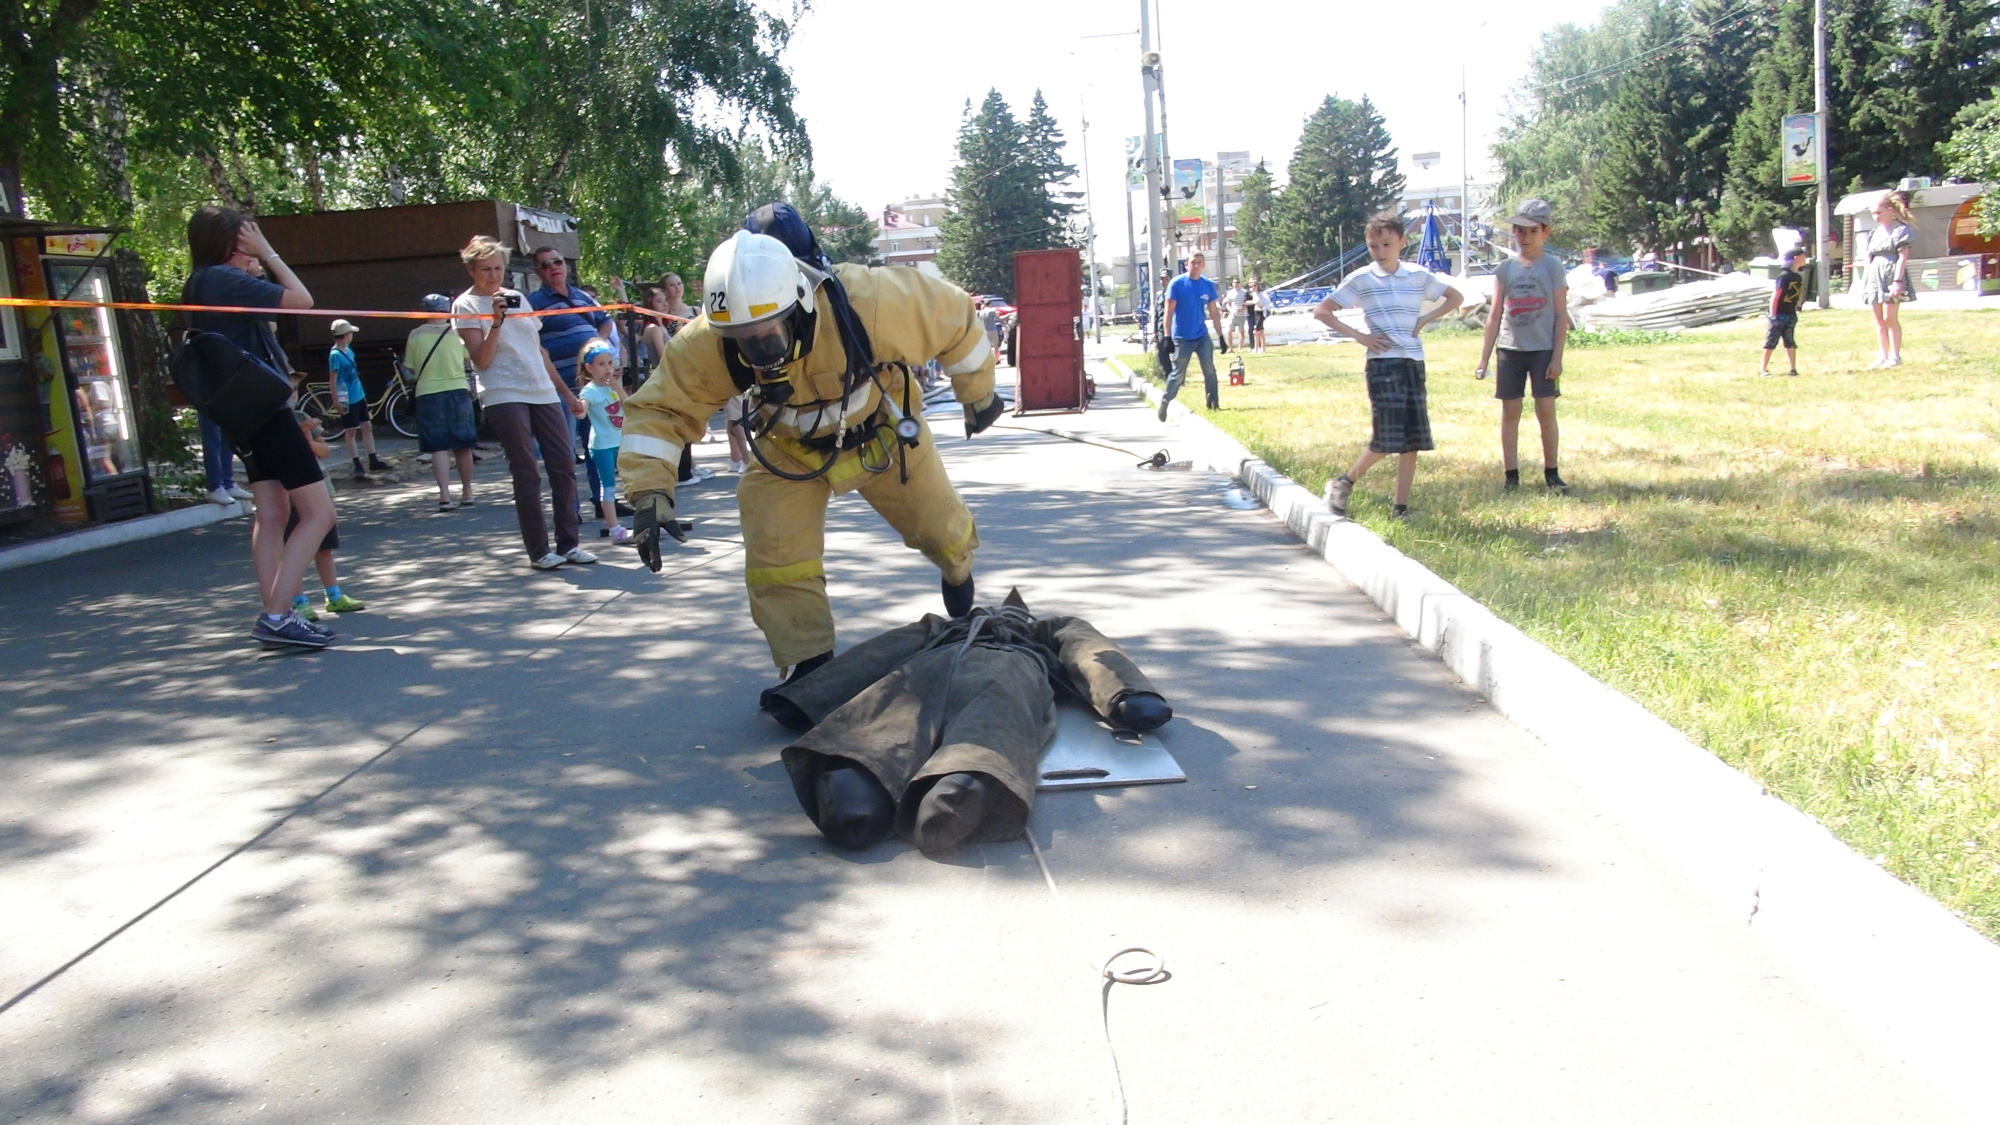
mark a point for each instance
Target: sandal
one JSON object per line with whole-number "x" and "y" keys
{"x": 447, "y": 506}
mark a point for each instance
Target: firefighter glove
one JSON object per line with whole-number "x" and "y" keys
{"x": 981, "y": 416}
{"x": 653, "y": 512}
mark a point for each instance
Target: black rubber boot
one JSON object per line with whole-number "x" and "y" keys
{"x": 853, "y": 810}
{"x": 1140, "y": 711}
{"x": 958, "y": 599}
{"x": 951, "y": 811}
{"x": 784, "y": 710}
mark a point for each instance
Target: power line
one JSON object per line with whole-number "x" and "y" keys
{"x": 1654, "y": 52}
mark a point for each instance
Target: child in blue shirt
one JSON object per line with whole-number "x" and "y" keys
{"x": 350, "y": 400}
{"x": 602, "y": 405}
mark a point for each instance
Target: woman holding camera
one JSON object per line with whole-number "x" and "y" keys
{"x": 525, "y": 402}
{"x": 224, "y": 248}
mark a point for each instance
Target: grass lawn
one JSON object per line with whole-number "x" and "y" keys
{"x": 1801, "y": 574}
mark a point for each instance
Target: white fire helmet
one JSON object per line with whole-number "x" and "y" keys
{"x": 751, "y": 288}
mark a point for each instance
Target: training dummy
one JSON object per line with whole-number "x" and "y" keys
{"x": 824, "y": 352}
{"x": 932, "y": 731}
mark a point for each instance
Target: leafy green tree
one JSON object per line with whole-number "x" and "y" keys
{"x": 1973, "y": 153}
{"x": 606, "y": 112}
{"x": 1003, "y": 197}
{"x": 1253, "y": 221}
{"x": 845, "y": 231}
{"x": 1554, "y": 138}
{"x": 1343, "y": 170}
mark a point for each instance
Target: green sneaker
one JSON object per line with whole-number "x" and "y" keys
{"x": 304, "y": 609}
{"x": 345, "y": 604}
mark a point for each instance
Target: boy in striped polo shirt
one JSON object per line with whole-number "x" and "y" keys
{"x": 1390, "y": 294}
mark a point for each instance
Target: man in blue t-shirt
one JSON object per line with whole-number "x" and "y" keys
{"x": 565, "y": 334}
{"x": 1191, "y": 307}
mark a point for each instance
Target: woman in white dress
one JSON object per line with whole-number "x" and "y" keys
{"x": 1885, "y": 281}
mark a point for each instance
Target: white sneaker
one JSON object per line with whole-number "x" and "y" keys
{"x": 739, "y": 467}
{"x": 549, "y": 561}
{"x": 577, "y": 555}
{"x": 221, "y": 496}
{"x": 240, "y": 492}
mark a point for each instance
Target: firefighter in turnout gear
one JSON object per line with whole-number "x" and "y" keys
{"x": 824, "y": 352}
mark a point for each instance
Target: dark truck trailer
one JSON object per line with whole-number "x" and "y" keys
{"x": 387, "y": 258}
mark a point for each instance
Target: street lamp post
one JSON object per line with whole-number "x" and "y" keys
{"x": 1090, "y": 225}
{"x": 1823, "y": 208}
{"x": 1149, "y": 84}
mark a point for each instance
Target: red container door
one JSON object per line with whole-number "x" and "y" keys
{"x": 1048, "y": 302}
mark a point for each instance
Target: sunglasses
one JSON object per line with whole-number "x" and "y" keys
{"x": 549, "y": 265}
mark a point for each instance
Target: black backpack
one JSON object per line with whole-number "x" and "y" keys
{"x": 232, "y": 388}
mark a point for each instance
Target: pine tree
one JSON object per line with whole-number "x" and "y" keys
{"x": 1755, "y": 199}
{"x": 997, "y": 203}
{"x": 1253, "y": 221}
{"x": 1343, "y": 171}
{"x": 1947, "y": 58}
{"x": 1861, "y": 138}
{"x": 1653, "y": 187}
{"x": 1045, "y": 152}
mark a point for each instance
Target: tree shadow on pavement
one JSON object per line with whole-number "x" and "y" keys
{"x": 579, "y": 860}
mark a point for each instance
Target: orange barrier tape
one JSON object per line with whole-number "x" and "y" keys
{"x": 43, "y": 303}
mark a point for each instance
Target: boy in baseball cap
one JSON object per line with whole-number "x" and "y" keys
{"x": 1529, "y": 322}
{"x": 350, "y": 399}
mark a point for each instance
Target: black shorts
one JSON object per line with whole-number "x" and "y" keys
{"x": 1257, "y": 320}
{"x": 1518, "y": 369}
{"x": 1400, "y": 406}
{"x": 279, "y": 451}
{"x": 355, "y": 415}
{"x": 1783, "y": 329}
{"x": 330, "y": 543}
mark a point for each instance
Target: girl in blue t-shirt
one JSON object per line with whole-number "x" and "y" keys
{"x": 603, "y": 404}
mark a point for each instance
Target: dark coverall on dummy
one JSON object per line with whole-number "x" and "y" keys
{"x": 911, "y": 319}
{"x": 933, "y": 731}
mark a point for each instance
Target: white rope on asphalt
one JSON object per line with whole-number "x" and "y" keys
{"x": 1154, "y": 972}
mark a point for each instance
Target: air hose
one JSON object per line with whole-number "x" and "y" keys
{"x": 1157, "y": 461}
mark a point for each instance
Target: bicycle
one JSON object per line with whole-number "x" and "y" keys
{"x": 395, "y": 405}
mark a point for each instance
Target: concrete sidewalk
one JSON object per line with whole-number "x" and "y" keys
{"x": 554, "y": 873}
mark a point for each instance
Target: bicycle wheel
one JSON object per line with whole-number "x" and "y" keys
{"x": 401, "y": 411}
{"x": 317, "y": 402}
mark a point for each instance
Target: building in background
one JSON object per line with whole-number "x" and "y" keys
{"x": 908, "y": 232}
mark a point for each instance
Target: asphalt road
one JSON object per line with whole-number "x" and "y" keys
{"x": 518, "y": 849}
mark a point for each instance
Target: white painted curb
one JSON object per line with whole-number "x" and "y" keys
{"x": 1913, "y": 975}
{"x": 124, "y": 531}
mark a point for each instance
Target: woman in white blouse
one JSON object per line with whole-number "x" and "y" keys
{"x": 525, "y": 402}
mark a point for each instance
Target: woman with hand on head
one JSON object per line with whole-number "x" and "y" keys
{"x": 527, "y": 403}
{"x": 225, "y": 248}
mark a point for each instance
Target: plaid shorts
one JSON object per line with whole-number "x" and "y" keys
{"x": 1401, "y": 406}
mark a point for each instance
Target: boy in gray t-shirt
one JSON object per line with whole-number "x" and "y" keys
{"x": 1530, "y": 322}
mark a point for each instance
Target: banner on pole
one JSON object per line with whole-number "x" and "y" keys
{"x": 1135, "y": 164}
{"x": 1798, "y": 158}
{"x": 1189, "y": 206}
